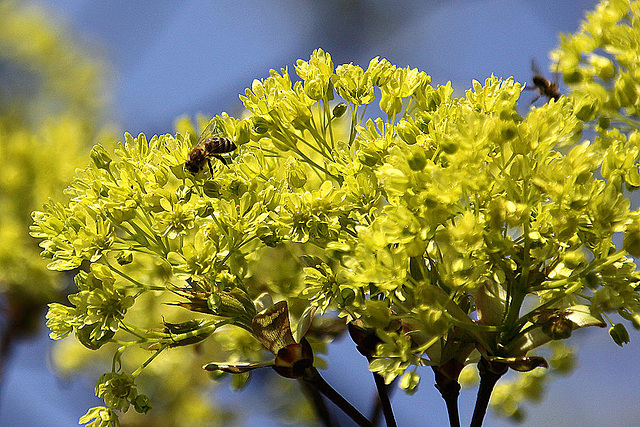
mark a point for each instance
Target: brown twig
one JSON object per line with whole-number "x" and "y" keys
{"x": 313, "y": 378}
{"x": 490, "y": 373}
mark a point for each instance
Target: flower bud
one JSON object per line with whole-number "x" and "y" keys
{"x": 604, "y": 122}
{"x": 260, "y": 125}
{"x": 603, "y": 67}
{"x": 422, "y": 121}
{"x": 409, "y": 382}
{"x": 368, "y": 157}
{"x": 243, "y": 132}
{"x": 619, "y": 334}
{"x": 296, "y": 178}
{"x": 631, "y": 240}
{"x": 339, "y": 110}
{"x": 124, "y": 257}
{"x": 184, "y": 193}
{"x": 390, "y": 104}
{"x": 142, "y": 404}
{"x": 90, "y": 337}
{"x": 407, "y": 131}
{"x": 626, "y": 90}
{"x": 100, "y": 157}
{"x": 586, "y": 108}
{"x": 418, "y": 160}
{"x": 212, "y": 189}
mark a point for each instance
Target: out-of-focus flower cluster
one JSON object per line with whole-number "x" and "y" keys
{"x": 46, "y": 82}
{"x": 453, "y": 229}
{"x": 599, "y": 64}
{"x": 52, "y": 98}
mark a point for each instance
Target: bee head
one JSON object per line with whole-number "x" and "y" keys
{"x": 191, "y": 167}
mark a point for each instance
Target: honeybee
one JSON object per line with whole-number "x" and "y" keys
{"x": 210, "y": 144}
{"x": 543, "y": 85}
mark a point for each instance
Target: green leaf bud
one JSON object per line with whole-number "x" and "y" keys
{"x": 100, "y": 157}
{"x": 339, "y": 110}
{"x": 619, "y": 334}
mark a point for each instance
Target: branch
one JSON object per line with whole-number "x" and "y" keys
{"x": 490, "y": 373}
{"x": 450, "y": 390}
{"x": 318, "y": 404}
{"x": 383, "y": 401}
{"x": 314, "y": 379}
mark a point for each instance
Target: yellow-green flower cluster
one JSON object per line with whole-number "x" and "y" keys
{"x": 600, "y": 64}
{"x": 429, "y": 226}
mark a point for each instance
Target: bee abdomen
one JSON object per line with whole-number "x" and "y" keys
{"x": 219, "y": 145}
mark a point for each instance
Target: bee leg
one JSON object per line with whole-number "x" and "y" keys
{"x": 224, "y": 162}
{"x": 535, "y": 99}
{"x": 210, "y": 168}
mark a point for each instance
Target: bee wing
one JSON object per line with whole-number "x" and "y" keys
{"x": 236, "y": 368}
{"x": 534, "y": 68}
{"x": 212, "y": 129}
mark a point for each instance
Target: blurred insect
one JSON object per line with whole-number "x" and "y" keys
{"x": 543, "y": 85}
{"x": 210, "y": 144}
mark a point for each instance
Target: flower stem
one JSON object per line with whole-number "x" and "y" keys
{"x": 314, "y": 379}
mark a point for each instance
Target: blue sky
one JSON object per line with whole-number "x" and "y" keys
{"x": 171, "y": 58}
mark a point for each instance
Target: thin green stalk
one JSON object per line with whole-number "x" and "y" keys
{"x": 149, "y": 360}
